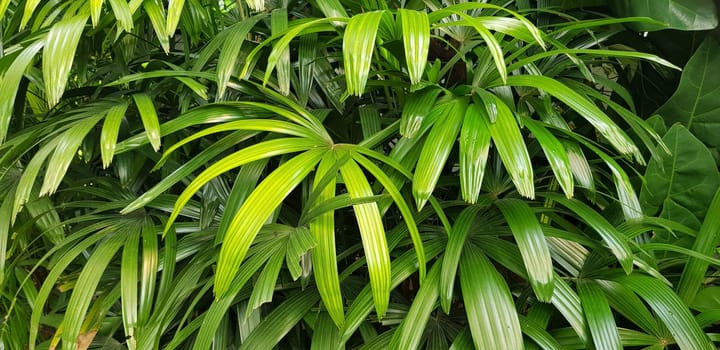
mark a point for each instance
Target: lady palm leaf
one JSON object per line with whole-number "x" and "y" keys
{"x": 358, "y": 46}
{"x": 255, "y": 211}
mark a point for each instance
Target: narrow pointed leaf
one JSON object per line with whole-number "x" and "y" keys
{"x": 65, "y": 151}
{"x": 509, "y": 141}
{"x": 412, "y": 328}
{"x": 600, "y": 319}
{"x": 671, "y": 310}
{"x": 453, "y": 252}
{"x": 129, "y": 285}
{"x": 10, "y": 80}
{"x": 584, "y": 107}
{"x": 122, "y": 14}
{"x": 417, "y": 106}
{"x": 175, "y": 8}
{"x": 416, "y": 40}
{"x": 531, "y": 240}
{"x": 109, "y": 133}
{"x": 437, "y": 149}
{"x": 555, "y": 153}
{"x": 324, "y": 256}
{"x": 372, "y": 233}
{"x": 149, "y": 118}
{"x": 95, "y": 10}
{"x": 256, "y": 209}
{"x": 489, "y": 305}
{"x": 358, "y": 46}
{"x": 58, "y": 55}
{"x": 279, "y": 23}
{"x": 474, "y": 150}
{"x": 705, "y": 243}
{"x": 615, "y": 240}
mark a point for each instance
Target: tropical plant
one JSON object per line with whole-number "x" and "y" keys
{"x": 339, "y": 174}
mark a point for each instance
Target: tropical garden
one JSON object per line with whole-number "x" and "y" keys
{"x": 359, "y": 174}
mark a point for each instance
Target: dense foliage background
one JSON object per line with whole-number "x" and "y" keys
{"x": 359, "y": 174}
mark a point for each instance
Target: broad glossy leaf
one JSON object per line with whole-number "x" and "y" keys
{"x": 532, "y": 244}
{"x": 489, "y": 305}
{"x": 693, "y": 103}
{"x": 60, "y": 50}
{"x": 412, "y": 328}
{"x": 705, "y": 243}
{"x": 416, "y": 40}
{"x": 436, "y": 149}
{"x": 255, "y": 211}
{"x": 687, "y": 177}
{"x": 509, "y": 142}
{"x": 358, "y": 47}
{"x": 372, "y": 233}
{"x": 677, "y": 14}
{"x": 599, "y": 316}
{"x": 671, "y": 310}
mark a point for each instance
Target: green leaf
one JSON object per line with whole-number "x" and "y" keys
{"x": 474, "y": 150}
{"x": 326, "y": 334}
{"x": 531, "y": 240}
{"x": 509, "y": 141}
{"x": 412, "y": 328}
{"x": 489, "y": 305}
{"x": 255, "y": 211}
{"x": 10, "y": 80}
{"x": 456, "y": 241}
{"x": 129, "y": 286}
{"x": 372, "y": 233}
{"x": 58, "y": 55}
{"x": 122, "y": 14}
{"x": 281, "y": 320}
{"x": 693, "y": 103}
{"x": 676, "y": 14}
{"x": 555, "y": 153}
{"x": 604, "y": 124}
{"x": 279, "y": 23}
{"x": 615, "y": 240}
{"x": 687, "y": 177}
{"x": 87, "y": 282}
{"x": 437, "y": 148}
{"x": 95, "y": 10}
{"x": 671, "y": 310}
{"x": 65, "y": 151}
{"x": 264, "y": 287}
{"x": 150, "y": 257}
{"x": 32, "y": 169}
{"x": 599, "y": 316}
{"x": 416, "y": 40}
{"x": 175, "y": 8}
{"x": 417, "y": 106}
{"x": 109, "y": 133}
{"x": 695, "y": 271}
{"x": 707, "y": 300}
{"x": 358, "y": 46}
{"x": 149, "y": 118}
{"x": 156, "y": 13}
